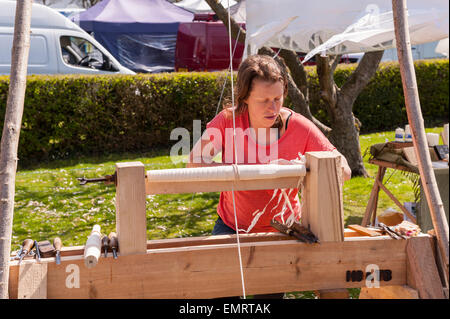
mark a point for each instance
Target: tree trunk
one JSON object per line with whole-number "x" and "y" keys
{"x": 339, "y": 102}
{"x": 10, "y": 136}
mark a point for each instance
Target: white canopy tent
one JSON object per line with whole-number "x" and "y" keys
{"x": 201, "y": 6}
{"x": 339, "y": 27}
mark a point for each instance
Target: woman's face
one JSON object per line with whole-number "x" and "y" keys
{"x": 264, "y": 103}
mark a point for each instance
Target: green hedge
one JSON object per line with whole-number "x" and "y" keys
{"x": 73, "y": 115}
{"x": 381, "y": 105}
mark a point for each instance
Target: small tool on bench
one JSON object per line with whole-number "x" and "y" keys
{"x": 46, "y": 249}
{"x": 296, "y": 230}
{"x": 105, "y": 245}
{"x": 36, "y": 248}
{"x": 391, "y": 232}
{"x": 113, "y": 243}
{"x": 108, "y": 179}
{"x": 93, "y": 247}
{"x": 18, "y": 253}
{"x": 27, "y": 246}
{"x": 58, "y": 245}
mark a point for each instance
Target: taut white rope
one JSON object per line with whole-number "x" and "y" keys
{"x": 235, "y": 152}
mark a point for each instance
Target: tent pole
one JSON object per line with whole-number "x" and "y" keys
{"x": 416, "y": 123}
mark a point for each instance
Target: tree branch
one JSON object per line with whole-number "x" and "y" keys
{"x": 298, "y": 72}
{"x": 361, "y": 76}
{"x": 328, "y": 88}
{"x": 222, "y": 13}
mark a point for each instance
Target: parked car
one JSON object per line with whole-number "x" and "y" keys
{"x": 204, "y": 46}
{"x": 57, "y": 45}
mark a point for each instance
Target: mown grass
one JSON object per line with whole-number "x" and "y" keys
{"x": 50, "y": 202}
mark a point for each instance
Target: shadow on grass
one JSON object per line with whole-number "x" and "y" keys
{"x": 92, "y": 159}
{"x": 353, "y": 220}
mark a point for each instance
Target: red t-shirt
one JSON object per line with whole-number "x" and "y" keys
{"x": 255, "y": 209}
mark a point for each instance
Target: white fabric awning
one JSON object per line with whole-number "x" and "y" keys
{"x": 201, "y": 6}
{"x": 339, "y": 27}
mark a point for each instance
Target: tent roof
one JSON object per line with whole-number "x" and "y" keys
{"x": 201, "y": 6}
{"x": 132, "y": 12}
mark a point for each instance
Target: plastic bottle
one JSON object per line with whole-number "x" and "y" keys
{"x": 408, "y": 135}
{"x": 399, "y": 134}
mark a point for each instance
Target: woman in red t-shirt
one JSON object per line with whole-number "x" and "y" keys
{"x": 265, "y": 132}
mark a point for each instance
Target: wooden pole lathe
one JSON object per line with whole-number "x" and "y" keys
{"x": 416, "y": 123}
{"x": 188, "y": 267}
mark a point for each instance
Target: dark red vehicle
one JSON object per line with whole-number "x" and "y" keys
{"x": 204, "y": 46}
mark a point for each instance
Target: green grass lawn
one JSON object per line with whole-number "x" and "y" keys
{"x": 50, "y": 202}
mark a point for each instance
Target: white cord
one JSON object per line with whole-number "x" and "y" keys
{"x": 235, "y": 152}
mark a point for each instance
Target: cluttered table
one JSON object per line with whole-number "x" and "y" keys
{"x": 400, "y": 155}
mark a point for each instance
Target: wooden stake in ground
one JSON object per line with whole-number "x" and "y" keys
{"x": 11, "y": 132}
{"x": 416, "y": 123}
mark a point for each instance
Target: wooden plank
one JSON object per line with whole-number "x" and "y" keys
{"x": 131, "y": 221}
{"x": 333, "y": 294}
{"x": 191, "y": 272}
{"x": 422, "y": 272}
{"x": 324, "y": 199}
{"x": 365, "y": 231}
{"x": 391, "y": 165}
{"x": 389, "y": 292}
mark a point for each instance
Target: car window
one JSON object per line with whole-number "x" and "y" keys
{"x": 80, "y": 52}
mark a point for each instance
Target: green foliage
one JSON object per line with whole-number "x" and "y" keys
{"x": 73, "y": 115}
{"x": 381, "y": 105}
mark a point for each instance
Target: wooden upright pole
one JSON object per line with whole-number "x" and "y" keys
{"x": 11, "y": 132}
{"x": 416, "y": 123}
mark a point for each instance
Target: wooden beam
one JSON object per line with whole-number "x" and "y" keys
{"x": 422, "y": 272}
{"x": 131, "y": 221}
{"x": 191, "y": 272}
{"x": 389, "y": 292}
{"x": 395, "y": 200}
{"x": 323, "y": 209}
{"x": 341, "y": 293}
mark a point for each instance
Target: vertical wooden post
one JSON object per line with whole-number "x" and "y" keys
{"x": 422, "y": 273}
{"x": 324, "y": 213}
{"x": 131, "y": 221}
{"x": 323, "y": 199}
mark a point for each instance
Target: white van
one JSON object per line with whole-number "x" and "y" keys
{"x": 57, "y": 45}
